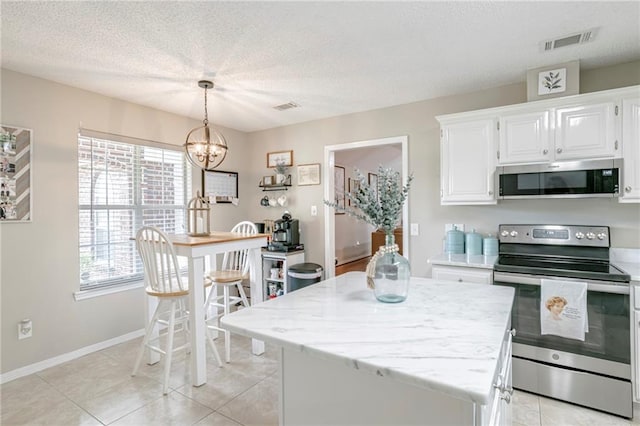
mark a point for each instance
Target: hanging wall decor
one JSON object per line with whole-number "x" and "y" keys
{"x": 15, "y": 174}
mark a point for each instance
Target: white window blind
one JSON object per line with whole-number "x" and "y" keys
{"x": 125, "y": 184}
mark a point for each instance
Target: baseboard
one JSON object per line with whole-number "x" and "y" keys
{"x": 52, "y": 362}
{"x": 351, "y": 260}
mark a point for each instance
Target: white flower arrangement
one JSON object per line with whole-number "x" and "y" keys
{"x": 381, "y": 211}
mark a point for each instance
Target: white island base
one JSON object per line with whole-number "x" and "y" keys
{"x": 442, "y": 357}
{"x": 318, "y": 391}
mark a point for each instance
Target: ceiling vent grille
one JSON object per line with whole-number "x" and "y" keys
{"x": 569, "y": 40}
{"x": 286, "y": 106}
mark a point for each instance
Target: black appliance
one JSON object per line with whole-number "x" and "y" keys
{"x": 595, "y": 372}
{"x": 286, "y": 234}
{"x": 572, "y": 179}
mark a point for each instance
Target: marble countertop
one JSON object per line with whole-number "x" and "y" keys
{"x": 444, "y": 337}
{"x": 628, "y": 260}
{"x": 471, "y": 261}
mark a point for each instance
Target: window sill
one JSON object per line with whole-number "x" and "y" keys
{"x": 90, "y": 294}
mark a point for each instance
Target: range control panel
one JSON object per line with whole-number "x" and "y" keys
{"x": 570, "y": 235}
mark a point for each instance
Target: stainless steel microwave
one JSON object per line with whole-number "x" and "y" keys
{"x": 572, "y": 179}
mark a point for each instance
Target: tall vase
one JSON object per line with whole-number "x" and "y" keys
{"x": 389, "y": 273}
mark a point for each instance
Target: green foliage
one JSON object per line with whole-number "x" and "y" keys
{"x": 383, "y": 211}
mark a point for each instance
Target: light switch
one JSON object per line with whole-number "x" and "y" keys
{"x": 314, "y": 211}
{"x": 415, "y": 229}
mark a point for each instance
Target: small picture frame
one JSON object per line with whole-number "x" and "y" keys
{"x": 280, "y": 157}
{"x": 373, "y": 183}
{"x": 354, "y": 186}
{"x": 339, "y": 187}
{"x": 267, "y": 180}
{"x": 309, "y": 174}
{"x": 553, "y": 81}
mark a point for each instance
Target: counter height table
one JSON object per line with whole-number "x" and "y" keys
{"x": 195, "y": 249}
{"x": 440, "y": 357}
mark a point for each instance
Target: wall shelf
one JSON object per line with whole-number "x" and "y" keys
{"x": 277, "y": 186}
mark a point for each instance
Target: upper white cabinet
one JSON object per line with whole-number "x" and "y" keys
{"x": 466, "y": 160}
{"x": 525, "y": 137}
{"x": 586, "y": 131}
{"x": 575, "y": 132}
{"x": 631, "y": 150}
{"x": 598, "y": 125}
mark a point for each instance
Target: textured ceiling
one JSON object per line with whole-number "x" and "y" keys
{"x": 331, "y": 58}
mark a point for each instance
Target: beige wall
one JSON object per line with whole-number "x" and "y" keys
{"x": 39, "y": 264}
{"x": 417, "y": 121}
{"x": 39, "y": 261}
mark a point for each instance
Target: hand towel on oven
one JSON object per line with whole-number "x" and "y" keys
{"x": 563, "y": 308}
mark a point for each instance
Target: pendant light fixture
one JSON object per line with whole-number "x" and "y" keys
{"x": 206, "y": 148}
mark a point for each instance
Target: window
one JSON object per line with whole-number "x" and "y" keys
{"x": 125, "y": 184}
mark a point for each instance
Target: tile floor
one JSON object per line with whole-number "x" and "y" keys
{"x": 98, "y": 389}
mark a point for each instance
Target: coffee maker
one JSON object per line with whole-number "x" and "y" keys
{"x": 286, "y": 234}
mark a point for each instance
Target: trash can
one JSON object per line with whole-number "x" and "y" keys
{"x": 304, "y": 274}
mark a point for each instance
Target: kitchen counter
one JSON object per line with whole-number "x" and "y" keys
{"x": 473, "y": 261}
{"x": 434, "y": 341}
{"x": 628, "y": 260}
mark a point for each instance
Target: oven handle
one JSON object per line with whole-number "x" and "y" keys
{"x": 536, "y": 279}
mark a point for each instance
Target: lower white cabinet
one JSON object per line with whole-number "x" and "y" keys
{"x": 499, "y": 412}
{"x": 462, "y": 274}
{"x": 635, "y": 339}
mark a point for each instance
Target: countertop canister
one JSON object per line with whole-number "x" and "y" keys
{"x": 473, "y": 243}
{"x": 454, "y": 242}
{"x": 490, "y": 246}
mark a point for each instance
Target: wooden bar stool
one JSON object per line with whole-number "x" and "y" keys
{"x": 235, "y": 268}
{"x": 163, "y": 281}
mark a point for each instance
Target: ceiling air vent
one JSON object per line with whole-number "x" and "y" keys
{"x": 569, "y": 40}
{"x": 288, "y": 105}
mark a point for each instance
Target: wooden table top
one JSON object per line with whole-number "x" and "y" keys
{"x": 213, "y": 237}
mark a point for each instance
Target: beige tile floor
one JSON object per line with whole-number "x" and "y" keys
{"x": 98, "y": 389}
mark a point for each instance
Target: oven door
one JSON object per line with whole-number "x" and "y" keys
{"x": 606, "y": 348}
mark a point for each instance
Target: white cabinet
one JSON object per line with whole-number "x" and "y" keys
{"x": 462, "y": 274}
{"x": 575, "y": 132}
{"x": 635, "y": 340}
{"x": 500, "y": 408}
{"x": 467, "y": 164}
{"x": 525, "y": 137}
{"x": 630, "y": 190}
{"x": 586, "y": 131}
{"x": 274, "y": 271}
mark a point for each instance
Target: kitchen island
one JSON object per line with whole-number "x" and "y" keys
{"x": 441, "y": 357}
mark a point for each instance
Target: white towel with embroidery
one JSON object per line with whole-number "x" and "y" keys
{"x": 563, "y": 308}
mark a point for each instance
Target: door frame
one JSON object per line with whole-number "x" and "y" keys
{"x": 328, "y": 182}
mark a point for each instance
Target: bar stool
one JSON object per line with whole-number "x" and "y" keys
{"x": 235, "y": 267}
{"x": 164, "y": 282}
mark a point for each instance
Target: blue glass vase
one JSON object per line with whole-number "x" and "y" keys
{"x": 391, "y": 274}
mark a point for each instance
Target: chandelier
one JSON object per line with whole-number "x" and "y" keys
{"x": 206, "y": 148}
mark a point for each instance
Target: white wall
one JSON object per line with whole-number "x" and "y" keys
{"x": 39, "y": 264}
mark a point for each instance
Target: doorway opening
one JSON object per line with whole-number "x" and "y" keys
{"x": 342, "y": 150}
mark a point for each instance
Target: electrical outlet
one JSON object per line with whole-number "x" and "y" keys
{"x": 314, "y": 211}
{"x": 25, "y": 329}
{"x": 415, "y": 229}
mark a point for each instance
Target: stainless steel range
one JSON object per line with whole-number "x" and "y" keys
{"x": 595, "y": 372}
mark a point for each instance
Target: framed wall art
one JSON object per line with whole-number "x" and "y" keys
{"x": 219, "y": 186}
{"x": 373, "y": 183}
{"x": 553, "y": 81}
{"x": 338, "y": 175}
{"x": 309, "y": 174}
{"x": 15, "y": 174}
{"x": 281, "y": 157}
